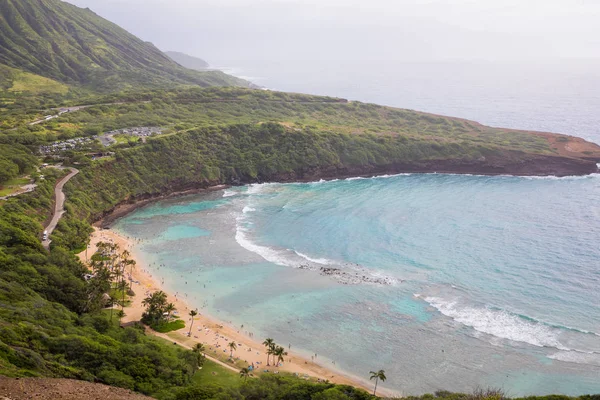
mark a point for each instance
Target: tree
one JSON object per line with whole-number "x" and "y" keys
{"x": 280, "y": 353}
{"x": 155, "y": 308}
{"x": 233, "y": 347}
{"x": 198, "y": 350}
{"x": 244, "y": 373}
{"x": 169, "y": 308}
{"x": 269, "y": 343}
{"x": 377, "y": 376}
{"x": 95, "y": 289}
{"x": 193, "y": 313}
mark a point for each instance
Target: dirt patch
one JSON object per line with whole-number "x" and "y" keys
{"x": 61, "y": 389}
{"x": 571, "y": 146}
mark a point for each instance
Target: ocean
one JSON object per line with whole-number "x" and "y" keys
{"x": 444, "y": 281}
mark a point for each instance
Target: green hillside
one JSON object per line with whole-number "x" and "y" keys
{"x": 20, "y": 82}
{"x": 71, "y": 45}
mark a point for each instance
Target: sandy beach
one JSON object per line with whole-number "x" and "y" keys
{"x": 214, "y": 334}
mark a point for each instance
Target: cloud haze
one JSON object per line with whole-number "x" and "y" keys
{"x": 225, "y": 31}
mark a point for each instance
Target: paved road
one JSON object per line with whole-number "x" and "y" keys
{"x": 69, "y": 109}
{"x": 59, "y": 196}
{"x": 77, "y": 108}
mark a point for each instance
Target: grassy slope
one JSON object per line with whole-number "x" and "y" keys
{"x": 16, "y": 81}
{"x": 184, "y": 109}
{"x": 60, "y": 41}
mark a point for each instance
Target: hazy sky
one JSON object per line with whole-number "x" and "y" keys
{"x": 226, "y": 31}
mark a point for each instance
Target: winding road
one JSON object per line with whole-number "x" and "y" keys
{"x": 59, "y": 197}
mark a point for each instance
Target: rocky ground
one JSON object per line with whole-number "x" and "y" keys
{"x": 61, "y": 389}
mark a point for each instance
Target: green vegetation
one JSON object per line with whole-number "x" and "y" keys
{"x": 168, "y": 326}
{"x": 216, "y": 375}
{"x": 19, "y": 82}
{"x": 272, "y": 387}
{"x": 12, "y": 185}
{"x": 49, "y": 323}
{"x": 15, "y": 160}
{"x": 159, "y": 313}
{"x": 184, "y": 109}
{"x": 60, "y": 41}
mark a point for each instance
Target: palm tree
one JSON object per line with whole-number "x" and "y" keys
{"x": 271, "y": 352}
{"x": 280, "y": 353}
{"x": 244, "y": 373}
{"x": 198, "y": 349}
{"x": 169, "y": 308}
{"x": 193, "y": 313}
{"x": 131, "y": 264}
{"x": 155, "y": 305}
{"x": 377, "y": 375}
{"x": 233, "y": 347}
{"x": 268, "y": 344}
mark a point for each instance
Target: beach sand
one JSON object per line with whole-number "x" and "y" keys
{"x": 214, "y": 334}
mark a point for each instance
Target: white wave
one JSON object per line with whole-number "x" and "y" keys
{"x": 257, "y": 188}
{"x": 355, "y": 178}
{"x": 322, "y": 261}
{"x": 229, "y": 193}
{"x": 499, "y": 323}
{"x": 391, "y": 176}
{"x": 577, "y": 357}
{"x": 562, "y": 178}
{"x": 342, "y": 272}
{"x": 275, "y": 256}
{"x": 323, "y": 181}
{"x": 345, "y": 273}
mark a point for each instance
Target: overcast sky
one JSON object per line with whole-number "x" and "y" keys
{"x": 225, "y": 31}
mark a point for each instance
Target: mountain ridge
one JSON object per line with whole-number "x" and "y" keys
{"x": 188, "y": 61}
{"x": 72, "y": 45}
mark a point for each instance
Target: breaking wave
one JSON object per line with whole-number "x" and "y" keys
{"x": 506, "y": 325}
{"x": 345, "y": 273}
{"x": 229, "y": 193}
{"x": 322, "y": 261}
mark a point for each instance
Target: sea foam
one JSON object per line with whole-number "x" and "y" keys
{"x": 342, "y": 272}
{"x": 500, "y": 323}
{"x": 577, "y": 357}
{"x": 322, "y": 261}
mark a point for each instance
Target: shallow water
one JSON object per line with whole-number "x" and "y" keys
{"x": 444, "y": 281}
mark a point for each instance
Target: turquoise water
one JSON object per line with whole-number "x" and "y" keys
{"x": 444, "y": 281}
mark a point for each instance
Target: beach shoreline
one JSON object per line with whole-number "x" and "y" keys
{"x": 212, "y": 332}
